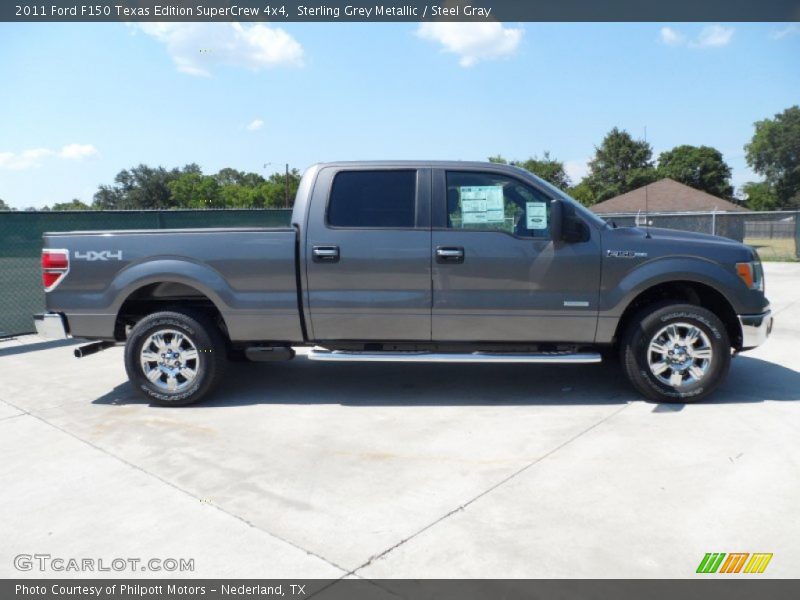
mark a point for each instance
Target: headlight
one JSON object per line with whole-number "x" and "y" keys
{"x": 752, "y": 274}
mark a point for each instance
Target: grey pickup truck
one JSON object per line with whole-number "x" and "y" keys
{"x": 411, "y": 261}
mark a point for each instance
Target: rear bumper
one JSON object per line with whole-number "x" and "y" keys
{"x": 755, "y": 329}
{"x": 51, "y": 326}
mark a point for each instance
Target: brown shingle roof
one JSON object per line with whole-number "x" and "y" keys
{"x": 666, "y": 195}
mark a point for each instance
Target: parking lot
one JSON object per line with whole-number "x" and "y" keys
{"x": 308, "y": 469}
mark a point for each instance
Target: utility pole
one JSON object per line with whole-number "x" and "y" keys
{"x": 285, "y": 185}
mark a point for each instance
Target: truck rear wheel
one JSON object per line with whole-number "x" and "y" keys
{"x": 676, "y": 352}
{"x": 175, "y": 358}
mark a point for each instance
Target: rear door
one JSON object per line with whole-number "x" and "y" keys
{"x": 497, "y": 274}
{"x": 367, "y": 249}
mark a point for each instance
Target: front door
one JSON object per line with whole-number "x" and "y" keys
{"x": 497, "y": 274}
{"x": 367, "y": 252}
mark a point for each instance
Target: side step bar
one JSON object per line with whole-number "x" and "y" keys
{"x": 447, "y": 357}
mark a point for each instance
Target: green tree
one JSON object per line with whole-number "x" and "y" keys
{"x": 195, "y": 190}
{"x": 74, "y": 204}
{"x": 3, "y": 205}
{"x": 760, "y": 196}
{"x": 774, "y": 153}
{"x": 230, "y": 176}
{"x": 547, "y": 168}
{"x": 141, "y": 187}
{"x": 274, "y": 190}
{"x": 583, "y": 193}
{"x": 620, "y": 164}
{"x": 700, "y": 167}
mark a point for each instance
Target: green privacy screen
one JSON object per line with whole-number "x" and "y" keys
{"x": 21, "y": 293}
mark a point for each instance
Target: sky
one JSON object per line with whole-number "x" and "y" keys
{"x": 80, "y": 102}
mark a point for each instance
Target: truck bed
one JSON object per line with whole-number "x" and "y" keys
{"x": 250, "y": 274}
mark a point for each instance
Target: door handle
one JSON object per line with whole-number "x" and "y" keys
{"x": 325, "y": 254}
{"x": 452, "y": 255}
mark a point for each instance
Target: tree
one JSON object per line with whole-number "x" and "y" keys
{"x": 74, "y": 204}
{"x": 700, "y": 167}
{"x": 142, "y": 187}
{"x": 774, "y": 153}
{"x": 759, "y": 196}
{"x": 195, "y": 190}
{"x": 547, "y": 168}
{"x": 583, "y": 194}
{"x": 275, "y": 190}
{"x": 620, "y": 164}
{"x": 3, "y": 205}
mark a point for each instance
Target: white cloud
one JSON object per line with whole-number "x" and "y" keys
{"x": 577, "y": 170}
{"x": 255, "y": 125}
{"x": 473, "y": 42}
{"x": 713, "y": 36}
{"x": 77, "y": 151}
{"x": 789, "y": 30}
{"x": 196, "y": 47}
{"x": 27, "y": 159}
{"x": 671, "y": 37}
{"x": 710, "y": 36}
{"x": 30, "y": 159}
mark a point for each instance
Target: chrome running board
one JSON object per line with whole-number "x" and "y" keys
{"x": 447, "y": 357}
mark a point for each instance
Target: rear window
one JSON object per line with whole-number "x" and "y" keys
{"x": 373, "y": 199}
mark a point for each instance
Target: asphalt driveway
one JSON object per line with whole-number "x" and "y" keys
{"x": 308, "y": 469}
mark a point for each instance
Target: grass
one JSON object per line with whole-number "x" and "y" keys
{"x": 774, "y": 249}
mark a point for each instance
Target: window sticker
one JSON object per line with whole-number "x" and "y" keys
{"x": 536, "y": 215}
{"x": 482, "y": 204}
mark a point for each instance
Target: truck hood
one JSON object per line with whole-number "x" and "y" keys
{"x": 657, "y": 241}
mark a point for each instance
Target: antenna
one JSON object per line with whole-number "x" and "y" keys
{"x": 646, "y": 212}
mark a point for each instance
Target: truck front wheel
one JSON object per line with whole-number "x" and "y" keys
{"x": 175, "y": 358}
{"x": 676, "y": 352}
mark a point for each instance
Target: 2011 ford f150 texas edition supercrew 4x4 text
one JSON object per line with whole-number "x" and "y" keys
{"x": 411, "y": 261}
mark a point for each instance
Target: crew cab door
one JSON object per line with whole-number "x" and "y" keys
{"x": 497, "y": 274}
{"x": 367, "y": 255}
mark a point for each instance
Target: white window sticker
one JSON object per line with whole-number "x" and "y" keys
{"x": 536, "y": 215}
{"x": 482, "y": 204}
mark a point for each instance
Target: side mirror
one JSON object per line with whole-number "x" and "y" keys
{"x": 556, "y": 219}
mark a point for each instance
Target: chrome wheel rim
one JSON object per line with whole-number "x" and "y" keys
{"x": 679, "y": 355}
{"x": 169, "y": 360}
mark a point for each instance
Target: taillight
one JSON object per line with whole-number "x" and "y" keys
{"x": 55, "y": 266}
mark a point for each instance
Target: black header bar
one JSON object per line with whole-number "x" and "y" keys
{"x": 280, "y": 11}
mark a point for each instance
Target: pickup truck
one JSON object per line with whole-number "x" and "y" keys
{"x": 411, "y": 261}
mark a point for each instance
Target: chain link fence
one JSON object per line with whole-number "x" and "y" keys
{"x": 21, "y": 293}
{"x": 775, "y": 235}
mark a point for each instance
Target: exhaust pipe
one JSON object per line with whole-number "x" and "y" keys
{"x": 93, "y": 348}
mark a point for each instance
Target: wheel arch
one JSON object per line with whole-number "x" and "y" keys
{"x": 147, "y": 298}
{"x": 685, "y": 291}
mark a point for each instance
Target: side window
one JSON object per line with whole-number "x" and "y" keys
{"x": 490, "y": 201}
{"x": 373, "y": 199}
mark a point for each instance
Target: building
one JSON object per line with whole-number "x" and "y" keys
{"x": 665, "y": 196}
{"x": 668, "y": 203}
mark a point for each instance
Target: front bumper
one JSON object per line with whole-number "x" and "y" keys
{"x": 755, "y": 329}
{"x": 51, "y": 326}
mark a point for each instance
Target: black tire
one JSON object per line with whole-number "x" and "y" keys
{"x": 209, "y": 365}
{"x": 642, "y": 330}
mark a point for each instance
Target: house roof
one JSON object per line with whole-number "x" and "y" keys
{"x": 666, "y": 195}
